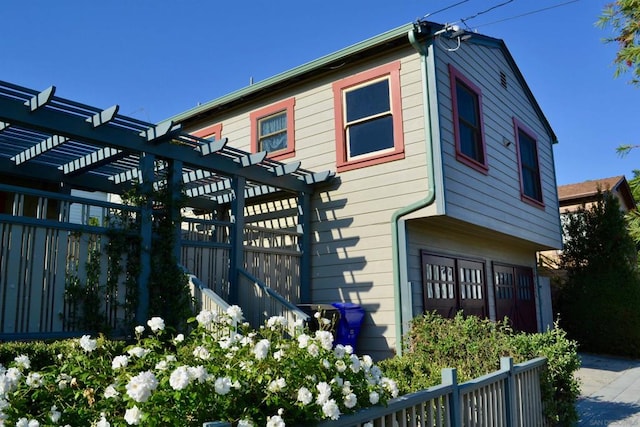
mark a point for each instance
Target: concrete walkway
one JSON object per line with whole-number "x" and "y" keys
{"x": 610, "y": 391}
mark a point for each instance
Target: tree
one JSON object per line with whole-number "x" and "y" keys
{"x": 623, "y": 16}
{"x": 599, "y": 297}
{"x": 633, "y": 216}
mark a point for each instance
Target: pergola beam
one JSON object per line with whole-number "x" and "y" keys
{"x": 93, "y": 160}
{"x": 41, "y": 99}
{"x": 104, "y": 116}
{"x": 38, "y": 149}
{"x": 73, "y": 127}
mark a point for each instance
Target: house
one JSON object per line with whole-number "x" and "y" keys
{"x": 574, "y": 196}
{"x": 445, "y": 182}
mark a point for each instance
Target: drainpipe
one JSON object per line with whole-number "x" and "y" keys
{"x": 398, "y": 230}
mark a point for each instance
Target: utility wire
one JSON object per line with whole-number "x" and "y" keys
{"x": 445, "y": 8}
{"x": 528, "y": 13}
{"x": 464, "y": 20}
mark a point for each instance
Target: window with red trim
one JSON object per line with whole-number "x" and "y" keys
{"x": 468, "y": 127}
{"x": 527, "y": 145}
{"x": 272, "y": 130}
{"x": 368, "y": 118}
{"x": 213, "y": 132}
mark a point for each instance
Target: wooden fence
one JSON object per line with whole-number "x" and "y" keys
{"x": 509, "y": 397}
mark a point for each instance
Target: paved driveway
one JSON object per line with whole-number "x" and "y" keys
{"x": 610, "y": 391}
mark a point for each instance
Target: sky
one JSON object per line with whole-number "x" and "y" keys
{"x": 156, "y": 59}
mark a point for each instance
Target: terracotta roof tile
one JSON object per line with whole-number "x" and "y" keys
{"x": 587, "y": 188}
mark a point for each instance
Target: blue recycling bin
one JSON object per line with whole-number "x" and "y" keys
{"x": 349, "y": 323}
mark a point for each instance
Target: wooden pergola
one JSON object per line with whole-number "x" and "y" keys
{"x": 69, "y": 145}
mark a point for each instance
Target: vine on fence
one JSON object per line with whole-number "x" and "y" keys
{"x": 108, "y": 304}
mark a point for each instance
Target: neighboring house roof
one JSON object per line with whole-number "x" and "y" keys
{"x": 584, "y": 192}
{"x": 326, "y": 64}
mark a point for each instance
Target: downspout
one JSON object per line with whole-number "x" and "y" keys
{"x": 398, "y": 231}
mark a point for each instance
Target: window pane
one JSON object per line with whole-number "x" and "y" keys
{"x": 370, "y": 136}
{"x": 368, "y": 101}
{"x": 273, "y": 124}
{"x": 274, "y": 142}
{"x": 467, "y": 105}
{"x": 469, "y": 144}
{"x": 530, "y": 171}
{"x": 527, "y": 150}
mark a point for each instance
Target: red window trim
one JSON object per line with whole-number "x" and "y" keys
{"x": 209, "y": 131}
{"x": 392, "y": 71}
{"x": 454, "y": 76}
{"x": 519, "y": 126}
{"x": 287, "y": 106}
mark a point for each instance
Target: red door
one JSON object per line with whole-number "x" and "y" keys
{"x": 515, "y": 297}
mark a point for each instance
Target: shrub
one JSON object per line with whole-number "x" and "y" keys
{"x": 220, "y": 371}
{"x": 474, "y": 346}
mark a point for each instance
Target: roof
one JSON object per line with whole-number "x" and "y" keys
{"x": 369, "y": 47}
{"x": 583, "y": 191}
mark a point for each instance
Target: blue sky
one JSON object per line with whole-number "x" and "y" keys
{"x": 158, "y": 58}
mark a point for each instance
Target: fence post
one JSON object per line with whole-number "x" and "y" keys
{"x": 450, "y": 377}
{"x": 506, "y": 364}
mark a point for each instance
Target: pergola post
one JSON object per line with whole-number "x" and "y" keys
{"x": 174, "y": 183}
{"x": 304, "y": 244}
{"x": 147, "y": 163}
{"x": 236, "y": 258}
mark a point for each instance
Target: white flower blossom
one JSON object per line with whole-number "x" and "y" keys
{"x": 339, "y": 351}
{"x": 23, "y": 361}
{"x": 355, "y": 364}
{"x": 133, "y": 416}
{"x": 326, "y": 339}
{"x": 222, "y": 385}
{"x": 110, "y": 391}
{"x": 324, "y": 392}
{"x": 140, "y": 387}
{"x": 138, "y": 351}
{"x": 201, "y": 353}
{"x": 350, "y": 400}
{"x": 235, "y": 314}
{"x": 330, "y": 409}
{"x": 261, "y": 350}
{"x": 102, "y": 422}
{"x": 156, "y": 324}
{"x": 24, "y": 422}
{"x": 34, "y": 379}
{"x": 205, "y": 318}
{"x": 390, "y": 385}
{"x": 88, "y": 344}
{"x": 275, "y": 421}
{"x": 304, "y": 396}
{"x": 374, "y": 397}
{"x": 275, "y": 321}
{"x": 303, "y": 340}
{"x": 341, "y": 366}
{"x": 313, "y": 350}
{"x": 180, "y": 378}
{"x": 277, "y": 385}
{"x": 54, "y": 414}
{"x": 139, "y": 329}
{"x": 199, "y": 373}
{"x": 179, "y": 338}
{"x": 119, "y": 362}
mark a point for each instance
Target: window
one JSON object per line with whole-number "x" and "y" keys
{"x": 213, "y": 132}
{"x": 530, "y": 184}
{"x": 368, "y": 118}
{"x": 272, "y": 130}
{"x": 453, "y": 284}
{"x": 468, "y": 128}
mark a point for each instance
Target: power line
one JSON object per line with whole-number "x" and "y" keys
{"x": 445, "y": 8}
{"x": 528, "y": 13}
{"x": 464, "y": 20}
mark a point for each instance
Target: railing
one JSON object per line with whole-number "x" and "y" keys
{"x": 205, "y": 298}
{"x": 259, "y": 302}
{"x": 509, "y": 397}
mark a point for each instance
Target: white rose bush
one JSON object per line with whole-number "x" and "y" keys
{"x": 220, "y": 371}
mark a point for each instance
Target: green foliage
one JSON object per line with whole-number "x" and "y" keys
{"x": 623, "y": 16}
{"x": 474, "y": 347}
{"x": 220, "y": 371}
{"x": 598, "y": 299}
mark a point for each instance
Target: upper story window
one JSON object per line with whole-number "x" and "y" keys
{"x": 468, "y": 128}
{"x": 272, "y": 130}
{"x": 530, "y": 182}
{"x": 368, "y": 117}
{"x": 213, "y": 132}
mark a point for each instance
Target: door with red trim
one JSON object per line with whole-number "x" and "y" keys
{"x": 515, "y": 296}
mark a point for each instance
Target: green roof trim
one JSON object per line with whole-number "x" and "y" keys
{"x": 315, "y": 65}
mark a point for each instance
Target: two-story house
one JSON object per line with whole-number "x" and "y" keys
{"x": 445, "y": 186}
